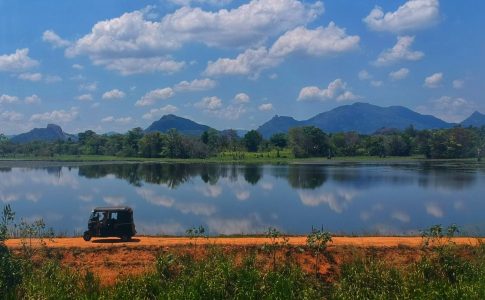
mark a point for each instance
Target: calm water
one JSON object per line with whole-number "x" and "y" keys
{"x": 232, "y": 199}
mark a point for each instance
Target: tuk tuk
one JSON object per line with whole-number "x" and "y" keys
{"x": 111, "y": 222}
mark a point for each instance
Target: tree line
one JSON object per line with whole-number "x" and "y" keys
{"x": 308, "y": 141}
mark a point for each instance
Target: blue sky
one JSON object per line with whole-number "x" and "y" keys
{"x": 113, "y": 65}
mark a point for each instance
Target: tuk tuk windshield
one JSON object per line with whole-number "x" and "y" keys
{"x": 94, "y": 216}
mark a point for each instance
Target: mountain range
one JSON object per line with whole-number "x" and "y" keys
{"x": 51, "y": 133}
{"x": 359, "y": 117}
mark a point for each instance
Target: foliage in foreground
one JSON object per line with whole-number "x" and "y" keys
{"x": 442, "y": 273}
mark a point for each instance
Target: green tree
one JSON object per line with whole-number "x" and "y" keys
{"x": 151, "y": 144}
{"x": 252, "y": 140}
{"x": 279, "y": 140}
{"x": 308, "y": 141}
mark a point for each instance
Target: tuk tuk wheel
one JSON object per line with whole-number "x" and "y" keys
{"x": 125, "y": 238}
{"x": 87, "y": 236}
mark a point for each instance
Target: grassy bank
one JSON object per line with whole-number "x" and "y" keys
{"x": 227, "y": 157}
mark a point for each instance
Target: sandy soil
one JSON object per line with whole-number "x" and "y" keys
{"x": 111, "y": 259}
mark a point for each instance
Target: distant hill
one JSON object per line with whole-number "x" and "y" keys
{"x": 184, "y": 126}
{"x": 278, "y": 124}
{"x": 51, "y": 133}
{"x": 476, "y": 119}
{"x": 360, "y": 117}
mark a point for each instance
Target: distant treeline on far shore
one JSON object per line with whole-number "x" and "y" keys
{"x": 300, "y": 142}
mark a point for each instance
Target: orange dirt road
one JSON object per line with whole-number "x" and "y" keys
{"x": 145, "y": 241}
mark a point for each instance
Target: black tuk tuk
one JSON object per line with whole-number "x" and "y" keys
{"x": 111, "y": 222}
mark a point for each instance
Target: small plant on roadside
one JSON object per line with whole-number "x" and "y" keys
{"x": 318, "y": 241}
{"x": 277, "y": 241}
{"x": 195, "y": 233}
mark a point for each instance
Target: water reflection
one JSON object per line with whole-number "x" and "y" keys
{"x": 233, "y": 199}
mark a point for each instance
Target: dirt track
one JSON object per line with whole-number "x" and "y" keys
{"x": 143, "y": 241}
{"x": 111, "y": 259}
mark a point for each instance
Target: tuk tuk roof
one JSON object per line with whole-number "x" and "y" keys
{"x": 113, "y": 208}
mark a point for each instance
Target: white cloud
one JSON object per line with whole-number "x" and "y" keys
{"x": 337, "y": 89}
{"x": 195, "y": 85}
{"x": 130, "y": 43}
{"x": 433, "y": 81}
{"x": 17, "y": 62}
{"x": 157, "y": 112}
{"x": 434, "y": 210}
{"x": 364, "y": 75}
{"x": 8, "y": 99}
{"x": 90, "y": 87}
{"x": 121, "y": 120}
{"x": 30, "y": 76}
{"x": 376, "y": 83}
{"x": 209, "y": 103}
{"x": 114, "y": 200}
{"x": 113, "y": 94}
{"x": 33, "y": 99}
{"x": 155, "y": 95}
{"x": 55, "y": 40}
{"x": 132, "y": 65}
{"x": 400, "y": 51}
{"x": 401, "y": 216}
{"x": 458, "y": 83}
{"x": 318, "y": 42}
{"x": 11, "y": 116}
{"x": 450, "y": 109}
{"x": 265, "y": 107}
{"x": 77, "y": 67}
{"x": 399, "y": 74}
{"x": 52, "y": 78}
{"x": 85, "y": 97}
{"x": 56, "y": 116}
{"x": 250, "y": 62}
{"x": 412, "y": 15}
{"x": 321, "y": 41}
{"x": 211, "y": 2}
{"x": 337, "y": 201}
{"x": 154, "y": 198}
{"x": 242, "y": 98}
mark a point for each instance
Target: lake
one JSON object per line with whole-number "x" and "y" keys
{"x": 344, "y": 198}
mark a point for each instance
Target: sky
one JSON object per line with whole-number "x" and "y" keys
{"x": 113, "y": 65}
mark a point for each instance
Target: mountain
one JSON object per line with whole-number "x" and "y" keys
{"x": 476, "y": 119}
{"x": 278, "y": 124}
{"x": 51, "y": 133}
{"x": 360, "y": 117}
{"x": 184, "y": 126}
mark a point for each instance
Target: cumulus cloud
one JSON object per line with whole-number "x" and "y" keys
{"x": 85, "y": 97}
{"x": 154, "y": 198}
{"x": 376, "y": 83}
{"x": 90, "y": 87}
{"x": 11, "y": 116}
{"x": 113, "y": 94}
{"x": 316, "y": 42}
{"x": 131, "y": 43}
{"x": 121, "y": 120}
{"x": 450, "y": 109}
{"x": 399, "y": 74}
{"x": 434, "y": 210}
{"x": 55, "y": 40}
{"x": 434, "y": 80}
{"x": 56, "y": 116}
{"x": 321, "y": 41}
{"x": 211, "y": 2}
{"x": 77, "y": 67}
{"x": 458, "y": 83}
{"x": 412, "y": 15}
{"x": 153, "y": 96}
{"x": 17, "y": 62}
{"x": 337, "y": 201}
{"x": 242, "y": 98}
{"x": 133, "y": 65}
{"x": 265, "y": 107}
{"x": 364, "y": 75}
{"x": 52, "y": 78}
{"x": 400, "y": 51}
{"x": 33, "y": 99}
{"x": 195, "y": 85}
{"x": 31, "y": 76}
{"x": 7, "y": 99}
{"x": 336, "y": 89}
{"x": 209, "y": 103}
{"x": 157, "y": 112}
